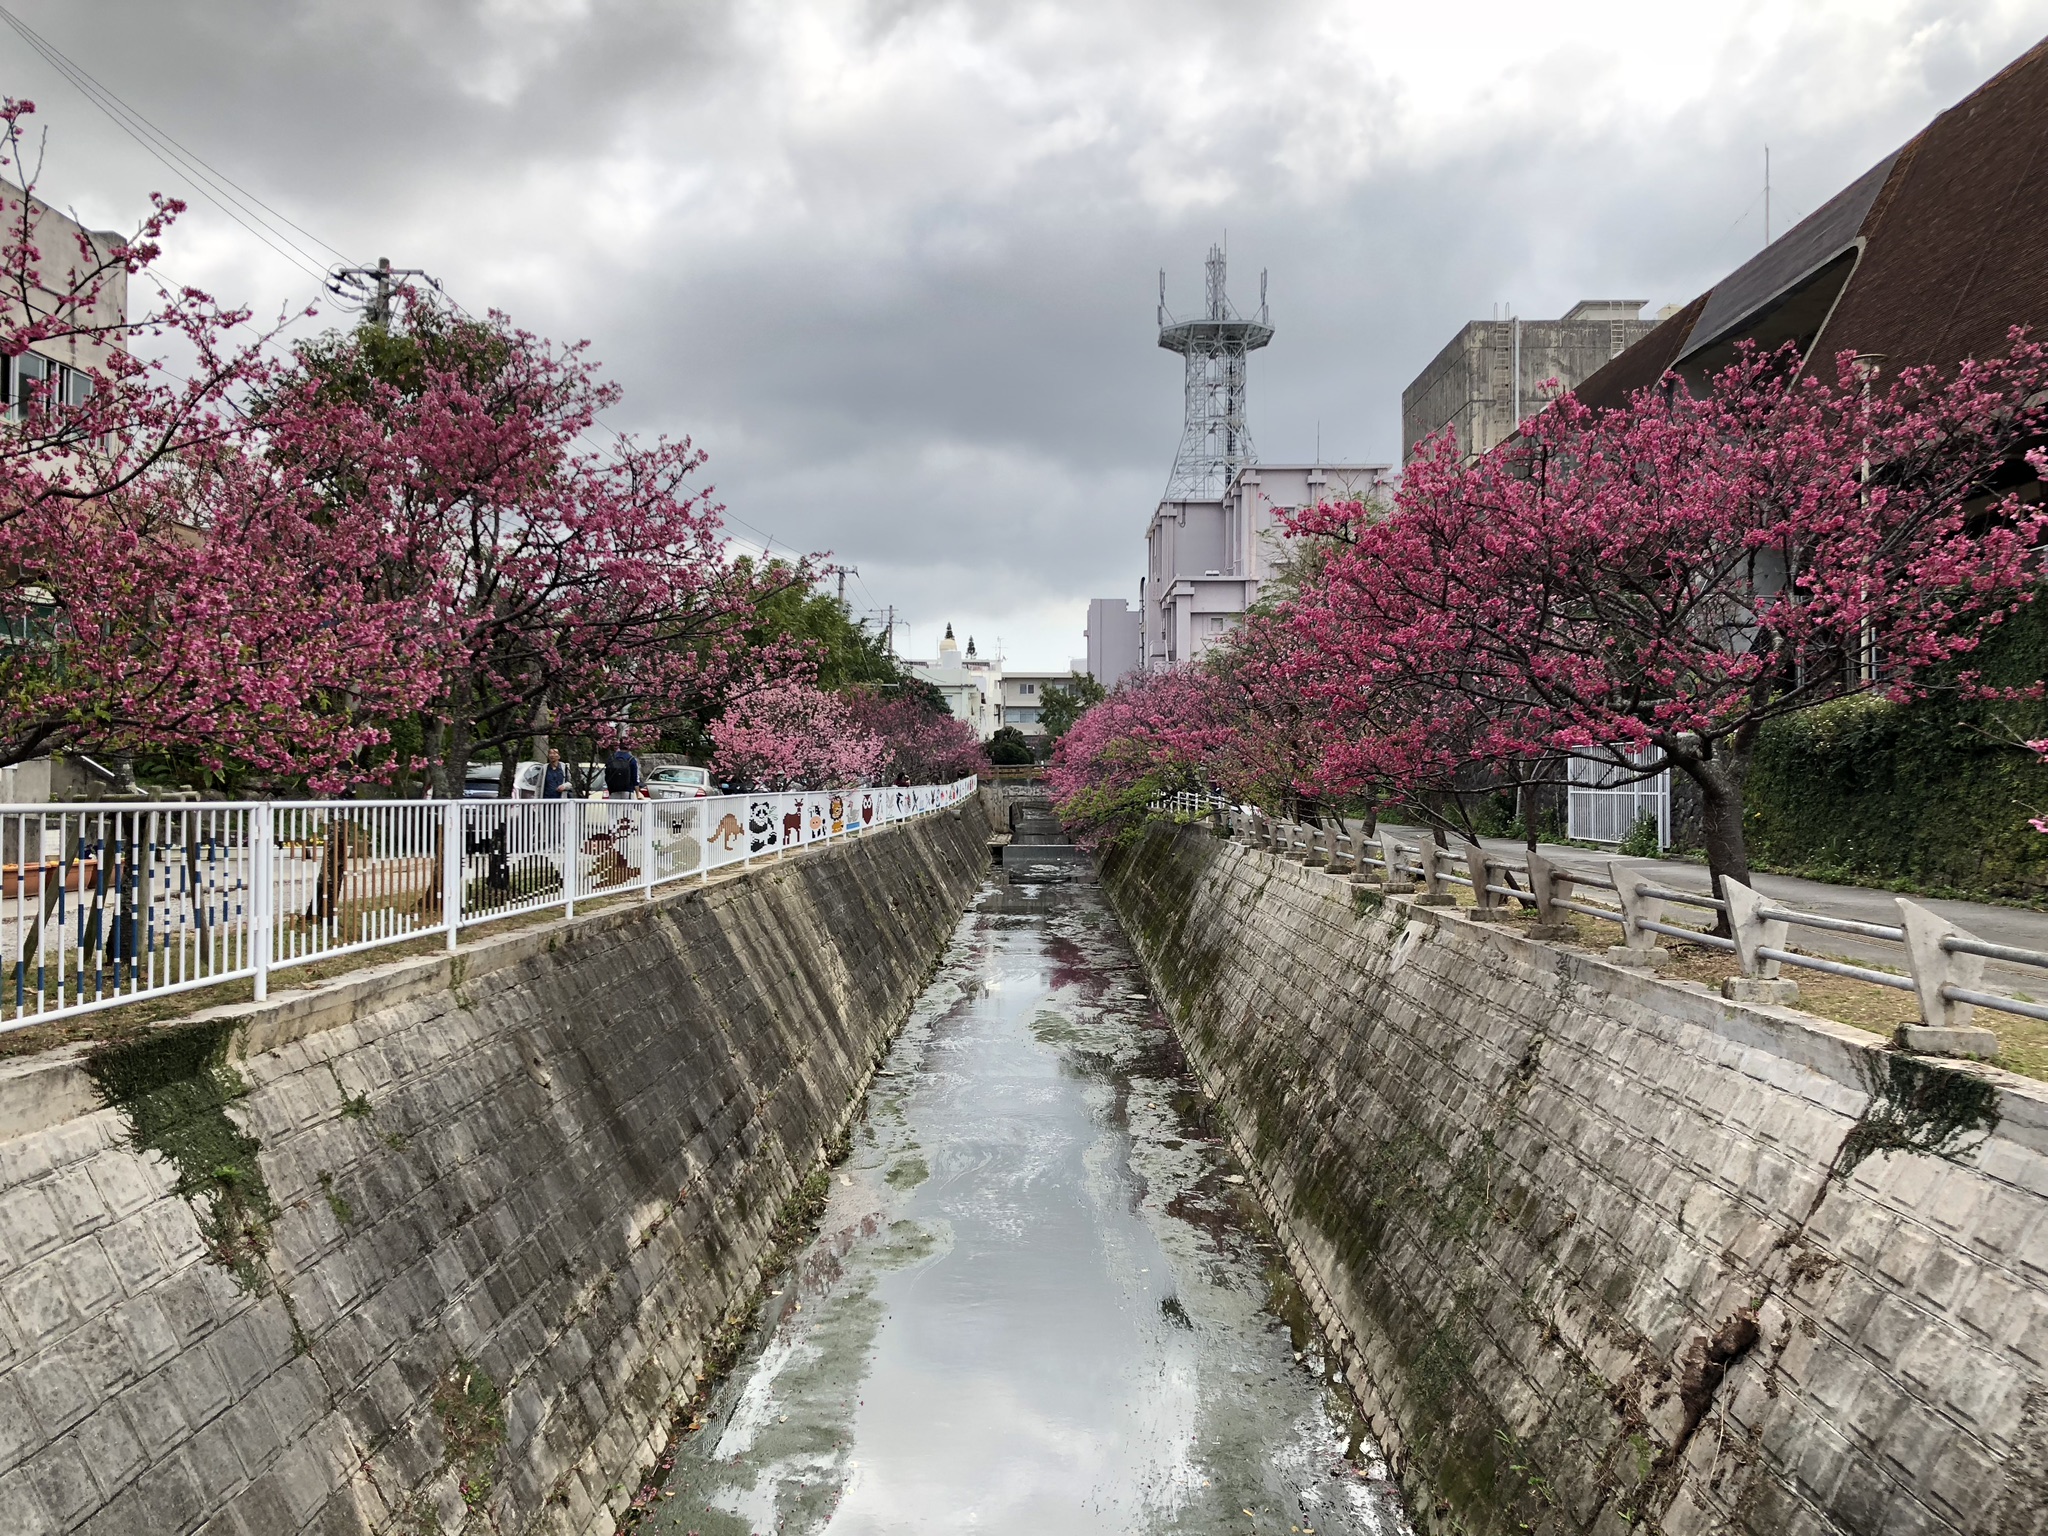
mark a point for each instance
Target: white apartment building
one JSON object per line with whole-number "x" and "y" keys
{"x": 1023, "y": 696}
{"x": 972, "y": 684}
{"x": 1205, "y": 560}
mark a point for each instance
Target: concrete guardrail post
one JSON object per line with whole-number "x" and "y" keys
{"x": 1639, "y": 944}
{"x": 1760, "y": 981}
{"x": 1342, "y": 850}
{"x": 1547, "y": 884}
{"x": 1433, "y": 893}
{"x": 1944, "y": 1028}
{"x": 1486, "y": 907}
{"x": 1316, "y": 848}
{"x": 1394, "y": 875}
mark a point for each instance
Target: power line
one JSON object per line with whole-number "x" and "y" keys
{"x": 251, "y": 212}
{"x": 239, "y": 204}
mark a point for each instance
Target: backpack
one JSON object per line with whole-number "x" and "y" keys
{"x": 621, "y": 772}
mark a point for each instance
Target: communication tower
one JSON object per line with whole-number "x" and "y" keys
{"x": 1214, "y": 443}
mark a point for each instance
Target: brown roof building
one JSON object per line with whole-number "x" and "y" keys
{"x": 1930, "y": 256}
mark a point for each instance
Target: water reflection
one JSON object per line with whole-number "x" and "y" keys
{"x": 1041, "y": 1300}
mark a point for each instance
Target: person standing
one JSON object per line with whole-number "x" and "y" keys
{"x": 554, "y": 779}
{"x": 621, "y": 774}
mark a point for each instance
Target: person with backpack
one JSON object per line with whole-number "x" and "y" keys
{"x": 621, "y": 775}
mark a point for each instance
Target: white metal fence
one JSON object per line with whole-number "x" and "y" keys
{"x": 107, "y": 904}
{"x": 1603, "y": 801}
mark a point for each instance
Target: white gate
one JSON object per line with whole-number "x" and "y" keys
{"x": 1603, "y": 806}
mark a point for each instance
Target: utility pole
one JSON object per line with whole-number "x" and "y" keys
{"x": 374, "y": 287}
{"x": 842, "y": 572}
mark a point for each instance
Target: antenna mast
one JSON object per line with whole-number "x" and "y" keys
{"x": 1214, "y": 441}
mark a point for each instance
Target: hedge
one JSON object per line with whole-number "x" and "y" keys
{"x": 1930, "y": 793}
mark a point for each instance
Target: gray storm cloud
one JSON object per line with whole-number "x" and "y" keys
{"x": 894, "y": 264}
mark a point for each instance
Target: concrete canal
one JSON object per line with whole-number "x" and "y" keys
{"x": 1041, "y": 1299}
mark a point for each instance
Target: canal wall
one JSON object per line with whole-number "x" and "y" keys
{"x": 440, "y": 1247}
{"x": 1603, "y": 1252}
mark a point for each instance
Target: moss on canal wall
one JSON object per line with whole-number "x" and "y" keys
{"x": 436, "y": 1248}
{"x": 1604, "y": 1253}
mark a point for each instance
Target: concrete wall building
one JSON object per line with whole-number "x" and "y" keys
{"x": 971, "y": 683}
{"x": 61, "y": 364}
{"x": 1116, "y": 641}
{"x": 1491, "y": 376}
{"x": 1205, "y": 560}
{"x": 1023, "y": 696}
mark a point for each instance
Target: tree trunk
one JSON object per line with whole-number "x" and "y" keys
{"x": 1720, "y": 778}
{"x": 542, "y": 719}
{"x": 437, "y": 769}
{"x": 455, "y": 749}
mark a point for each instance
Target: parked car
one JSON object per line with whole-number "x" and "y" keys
{"x": 481, "y": 782}
{"x": 678, "y": 782}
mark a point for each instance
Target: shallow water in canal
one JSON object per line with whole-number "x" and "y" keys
{"x": 1041, "y": 1299}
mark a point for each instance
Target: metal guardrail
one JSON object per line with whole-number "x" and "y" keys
{"x": 102, "y": 905}
{"x": 1941, "y": 963}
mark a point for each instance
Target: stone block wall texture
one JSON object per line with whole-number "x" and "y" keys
{"x": 493, "y": 1207}
{"x": 1603, "y": 1253}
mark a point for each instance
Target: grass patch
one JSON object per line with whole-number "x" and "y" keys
{"x": 2022, "y": 1043}
{"x": 472, "y": 1429}
{"x": 173, "y": 1088}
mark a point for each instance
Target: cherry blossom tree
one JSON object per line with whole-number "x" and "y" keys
{"x": 1650, "y": 585}
{"x": 1155, "y": 734}
{"x": 584, "y": 590}
{"x": 795, "y": 735}
{"x": 922, "y": 741}
{"x": 166, "y": 589}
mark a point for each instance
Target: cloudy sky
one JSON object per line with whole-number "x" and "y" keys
{"x": 894, "y": 263}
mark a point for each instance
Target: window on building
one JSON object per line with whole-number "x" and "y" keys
{"x": 26, "y": 374}
{"x": 23, "y": 377}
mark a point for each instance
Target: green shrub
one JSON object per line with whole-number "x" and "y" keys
{"x": 1931, "y": 793}
{"x": 1642, "y": 841}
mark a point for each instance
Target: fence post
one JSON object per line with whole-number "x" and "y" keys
{"x": 1486, "y": 907}
{"x": 1394, "y": 873}
{"x": 1315, "y": 849}
{"x": 1944, "y": 1028}
{"x": 1338, "y": 850}
{"x": 451, "y": 869}
{"x": 1433, "y": 892}
{"x": 1639, "y": 945}
{"x": 572, "y": 850}
{"x": 1760, "y": 981}
{"x": 262, "y": 845}
{"x": 647, "y": 849}
{"x": 1547, "y": 884}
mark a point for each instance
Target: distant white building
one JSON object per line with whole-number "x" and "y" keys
{"x": 972, "y": 685}
{"x": 1205, "y": 560}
